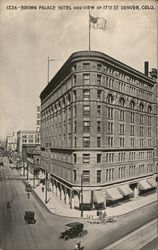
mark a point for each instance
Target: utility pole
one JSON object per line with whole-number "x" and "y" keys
{"x": 33, "y": 177}
{"x": 81, "y": 195}
{"x": 27, "y": 172}
{"x": 50, "y": 60}
{"x": 46, "y": 186}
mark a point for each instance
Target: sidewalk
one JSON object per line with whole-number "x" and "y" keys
{"x": 58, "y": 207}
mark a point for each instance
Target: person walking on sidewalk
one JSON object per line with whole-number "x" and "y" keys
{"x": 42, "y": 189}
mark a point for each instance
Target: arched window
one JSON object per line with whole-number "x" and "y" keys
{"x": 132, "y": 104}
{"x": 110, "y": 98}
{"x": 141, "y": 107}
{"x": 149, "y": 109}
{"x": 122, "y": 102}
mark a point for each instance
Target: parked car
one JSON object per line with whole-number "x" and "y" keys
{"x": 29, "y": 217}
{"x": 72, "y": 229}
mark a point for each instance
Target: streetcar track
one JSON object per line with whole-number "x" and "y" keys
{"x": 21, "y": 215}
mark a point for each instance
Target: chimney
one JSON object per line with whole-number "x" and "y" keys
{"x": 146, "y": 68}
{"x": 153, "y": 73}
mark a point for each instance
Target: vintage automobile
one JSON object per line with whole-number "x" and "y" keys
{"x": 72, "y": 230}
{"x": 29, "y": 217}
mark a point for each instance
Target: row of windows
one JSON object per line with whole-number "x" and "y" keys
{"x": 110, "y": 157}
{"x": 86, "y": 97}
{"x": 109, "y": 173}
{"x": 88, "y": 65}
{"x": 110, "y": 83}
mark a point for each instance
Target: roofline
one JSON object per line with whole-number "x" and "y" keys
{"x": 93, "y": 54}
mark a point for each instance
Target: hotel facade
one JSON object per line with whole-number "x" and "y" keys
{"x": 98, "y": 131}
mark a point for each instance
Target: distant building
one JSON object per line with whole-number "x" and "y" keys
{"x": 98, "y": 130}
{"x": 33, "y": 159}
{"x": 26, "y": 137}
{"x": 11, "y": 142}
{"x": 38, "y": 118}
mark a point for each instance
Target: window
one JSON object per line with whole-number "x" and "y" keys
{"x": 74, "y": 79}
{"x": 74, "y": 95}
{"x": 86, "y": 158}
{"x": 98, "y": 142}
{"x": 132, "y": 130}
{"x": 86, "y": 126}
{"x": 75, "y": 158}
{"x": 122, "y": 115}
{"x": 86, "y": 94}
{"x": 98, "y": 111}
{"x": 110, "y": 98}
{"x": 86, "y": 111}
{"x": 149, "y": 142}
{"x": 75, "y": 127}
{"x": 132, "y": 117}
{"x": 99, "y": 79}
{"x": 109, "y": 113}
{"x": 121, "y": 141}
{"x": 141, "y": 119}
{"x": 74, "y": 175}
{"x": 141, "y": 142}
{"x": 109, "y": 141}
{"x": 98, "y": 158}
{"x": 149, "y": 132}
{"x": 122, "y": 128}
{"x": 132, "y": 142}
{"x": 109, "y": 174}
{"x": 141, "y": 107}
{"x": 122, "y": 102}
{"x": 149, "y": 120}
{"x": 98, "y": 127}
{"x": 132, "y": 104}
{"x": 141, "y": 131}
{"x": 149, "y": 109}
{"x": 86, "y": 176}
{"x": 98, "y": 176}
{"x": 86, "y": 142}
{"x": 86, "y": 79}
{"x": 86, "y": 65}
{"x": 99, "y": 66}
{"x": 99, "y": 95}
{"x": 109, "y": 127}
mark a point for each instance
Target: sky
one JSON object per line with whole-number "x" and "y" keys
{"x": 28, "y": 37}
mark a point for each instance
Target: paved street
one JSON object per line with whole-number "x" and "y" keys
{"x": 44, "y": 235}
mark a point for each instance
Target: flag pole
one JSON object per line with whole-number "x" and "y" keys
{"x": 89, "y": 32}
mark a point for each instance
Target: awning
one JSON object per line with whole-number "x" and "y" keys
{"x": 76, "y": 201}
{"x": 152, "y": 182}
{"x": 87, "y": 197}
{"x": 144, "y": 185}
{"x": 98, "y": 196}
{"x": 125, "y": 190}
{"x": 112, "y": 194}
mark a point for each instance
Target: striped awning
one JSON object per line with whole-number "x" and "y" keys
{"x": 152, "y": 182}
{"x": 98, "y": 197}
{"x": 125, "y": 190}
{"x": 87, "y": 199}
{"x": 112, "y": 194}
{"x": 144, "y": 185}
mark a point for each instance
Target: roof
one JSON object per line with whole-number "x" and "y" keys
{"x": 89, "y": 55}
{"x": 73, "y": 224}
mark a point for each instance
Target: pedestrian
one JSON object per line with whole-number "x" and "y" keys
{"x": 42, "y": 189}
{"x": 8, "y": 205}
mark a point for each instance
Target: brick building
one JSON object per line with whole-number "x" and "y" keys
{"x": 11, "y": 143}
{"x": 98, "y": 130}
{"x": 24, "y": 138}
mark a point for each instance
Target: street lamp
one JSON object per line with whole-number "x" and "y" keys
{"x": 46, "y": 186}
{"x": 81, "y": 195}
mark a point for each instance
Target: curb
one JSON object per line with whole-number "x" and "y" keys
{"x": 82, "y": 218}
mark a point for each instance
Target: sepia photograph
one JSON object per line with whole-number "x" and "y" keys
{"x": 79, "y": 125}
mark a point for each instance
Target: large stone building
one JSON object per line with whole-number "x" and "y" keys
{"x": 26, "y": 138}
{"x": 98, "y": 130}
{"x": 11, "y": 143}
